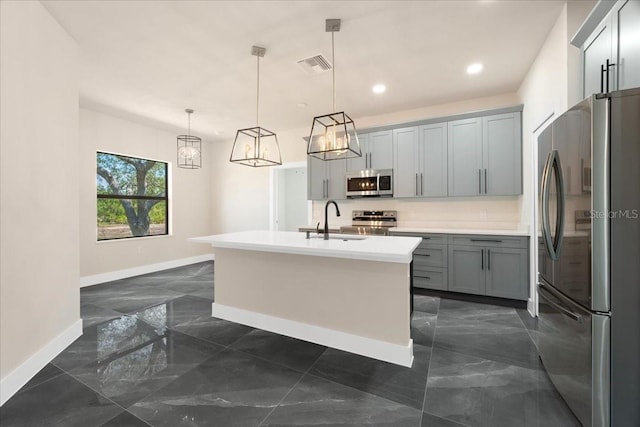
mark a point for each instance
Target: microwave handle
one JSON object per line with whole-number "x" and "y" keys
{"x": 378, "y": 183}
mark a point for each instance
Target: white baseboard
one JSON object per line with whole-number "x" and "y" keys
{"x": 381, "y": 350}
{"x": 143, "y": 269}
{"x": 16, "y": 379}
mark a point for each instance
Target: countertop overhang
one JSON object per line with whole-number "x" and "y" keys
{"x": 396, "y": 249}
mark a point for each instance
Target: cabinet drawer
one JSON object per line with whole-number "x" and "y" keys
{"x": 430, "y": 279}
{"x": 516, "y": 242}
{"x": 427, "y": 238}
{"x": 434, "y": 257}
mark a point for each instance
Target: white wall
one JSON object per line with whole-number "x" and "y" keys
{"x": 189, "y": 196}
{"x": 39, "y": 295}
{"x": 549, "y": 88}
{"x": 241, "y": 194}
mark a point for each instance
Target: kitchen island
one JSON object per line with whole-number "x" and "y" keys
{"x": 349, "y": 292}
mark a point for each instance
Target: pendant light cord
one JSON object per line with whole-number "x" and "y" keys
{"x": 189, "y": 125}
{"x": 258, "y": 91}
{"x": 333, "y": 70}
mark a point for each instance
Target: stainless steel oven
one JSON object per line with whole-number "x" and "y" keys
{"x": 371, "y": 222}
{"x": 370, "y": 183}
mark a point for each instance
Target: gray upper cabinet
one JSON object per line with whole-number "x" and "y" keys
{"x": 465, "y": 157}
{"x": 360, "y": 163}
{"x": 628, "y": 23}
{"x": 420, "y": 161}
{"x": 614, "y": 39}
{"x": 485, "y": 156}
{"x": 377, "y": 152}
{"x": 326, "y": 179}
{"x": 433, "y": 160}
{"x": 316, "y": 179}
{"x": 597, "y": 50}
{"x": 502, "y": 155}
{"x": 406, "y": 162}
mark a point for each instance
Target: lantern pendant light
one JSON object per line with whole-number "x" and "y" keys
{"x": 333, "y": 136}
{"x": 189, "y": 148}
{"x": 256, "y": 146}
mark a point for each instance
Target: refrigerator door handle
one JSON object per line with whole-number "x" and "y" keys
{"x": 570, "y": 314}
{"x": 544, "y": 202}
{"x": 553, "y": 245}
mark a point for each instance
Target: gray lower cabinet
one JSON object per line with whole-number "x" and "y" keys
{"x": 466, "y": 271}
{"x": 506, "y": 273}
{"x": 429, "y": 261}
{"x": 489, "y": 265}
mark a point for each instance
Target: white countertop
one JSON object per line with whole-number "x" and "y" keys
{"x": 490, "y": 232}
{"x": 370, "y": 248}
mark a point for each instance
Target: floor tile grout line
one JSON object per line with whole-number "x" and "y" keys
{"x": 292, "y": 388}
{"x": 426, "y": 384}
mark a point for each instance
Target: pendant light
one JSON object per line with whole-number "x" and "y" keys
{"x": 256, "y": 146}
{"x": 333, "y": 136}
{"x": 189, "y": 148}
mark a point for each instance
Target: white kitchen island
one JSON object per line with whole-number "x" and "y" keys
{"x": 352, "y": 295}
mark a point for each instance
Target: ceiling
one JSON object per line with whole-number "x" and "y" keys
{"x": 149, "y": 60}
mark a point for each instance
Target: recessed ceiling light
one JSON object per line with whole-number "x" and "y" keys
{"x": 474, "y": 68}
{"x": 302, "y": 105}
{"x": 379, "y": 88}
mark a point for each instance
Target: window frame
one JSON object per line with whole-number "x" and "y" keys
{"x": 165, "y": 198}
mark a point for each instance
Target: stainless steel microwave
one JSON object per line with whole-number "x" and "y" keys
{"x": 370, "y": 183}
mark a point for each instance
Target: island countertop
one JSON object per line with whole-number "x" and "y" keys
{"x": 368, "y": 248}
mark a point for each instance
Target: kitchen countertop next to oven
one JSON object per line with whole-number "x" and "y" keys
{"x": 520, "y": 231}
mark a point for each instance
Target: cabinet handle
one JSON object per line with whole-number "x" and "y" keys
{"x": 482, "y": 259}
{"x": 488, "y": 259}
{"x": 421, "y": 185}
{"x": 428, "y": 278}
{"x": 609, "y": 65}
{"x": 602, "y": 71}
{"x": 416, "y": 184}
{"x": 486, "y": 240}
{"x": 485, "y": 181}
{"x": 479, "y": 181}
{"x": 426, "y": 255}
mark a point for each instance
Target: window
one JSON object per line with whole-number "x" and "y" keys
{"x": 132, "y": 197}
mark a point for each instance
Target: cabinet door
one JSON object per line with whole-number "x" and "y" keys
{"x": 506, "y": 273}
{"x": 316, "y": 179}
{"x": 465, "y": 157}
{"x": 502, "y": 155}
{"x": 336, "y": 184}
{"x": 466, "y": 269}
{"x": 381, "y": 150}
{"x": 406, "y": 162}
{"x": 628, "y": 33}
{"x": 360, "y": 163}
{"x": 433, "y": 160}
{"x": 597, "y": 49}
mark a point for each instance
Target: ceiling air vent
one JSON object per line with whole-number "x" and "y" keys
{"x": 317, "y": 64}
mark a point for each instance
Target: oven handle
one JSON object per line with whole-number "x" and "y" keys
{"x": 542, "y": 291}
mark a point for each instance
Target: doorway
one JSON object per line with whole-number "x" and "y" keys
{"x": 290, "y": 208}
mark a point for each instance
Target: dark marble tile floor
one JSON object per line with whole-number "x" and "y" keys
{"x": 152, "y": 355}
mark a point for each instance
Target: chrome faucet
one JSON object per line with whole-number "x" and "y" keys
{"x": 326, "y": 217}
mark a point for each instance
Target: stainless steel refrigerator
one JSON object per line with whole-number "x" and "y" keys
{"x": 589, "y": 258}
